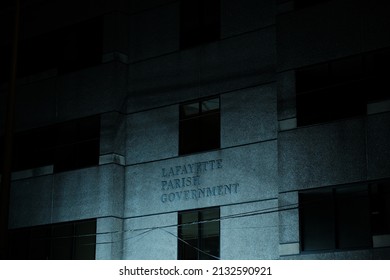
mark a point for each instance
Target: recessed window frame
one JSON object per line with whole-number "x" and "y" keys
{"x": 75, "y": 240}
{"x": 200, "y": 22}
{"x": 200, "y": 130}
{"x": 331, "y": 203}
{"x": 201, "y": 248}
{"x": 69, "y": 145}
{"x": 342, "y": 88}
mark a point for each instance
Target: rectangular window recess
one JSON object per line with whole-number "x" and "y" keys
{"x": 199, "y": 126}
{"x": 199, "y": 234}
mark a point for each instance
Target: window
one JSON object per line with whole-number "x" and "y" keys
{"x": 199, "y": 126}
{"x": 66, "y": 49}
{"x": 341, "y": 88}
{"x": 70, "y": 145}
{"x": 199, "y": 234}
{"x": 330, "y": 91}
{"x": 65, "y": 241}
{"x": 199, "y": 22}
{"x": 344, "y": 217}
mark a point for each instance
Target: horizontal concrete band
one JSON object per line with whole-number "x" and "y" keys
{"x": 287, "y": 124}
{"x": 34, "y": 172}
{"x": 115, "y": 56}
{"x": 378, "y": 107}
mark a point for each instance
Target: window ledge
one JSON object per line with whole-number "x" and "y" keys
{"x": 378, "y": 107}
{"x": 112, "y": 158}
{"x": 379, "y": 241}
{"x": 289, "y": 249}
{"x": 38, "y": 76}
{"x": 287, "y": 124}
{"x": 115, "y": 56}
{"x": 34, "y": 172}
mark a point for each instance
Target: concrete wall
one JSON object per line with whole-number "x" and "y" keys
{"x": 248, "y": 116}
{"x": 250, "y": 230}
{"x": 109, "y": 242}
{"x": 322, "y": 155}
{"x": 154, "y": 32}
{"x": 152, "y": 187}
{"x": 152, "y": 135}
{"x": 150, "y": 238}
{"x": 67, "y": 196}
{"x": 206, "y": 70}
{"x": 138, "y": 188}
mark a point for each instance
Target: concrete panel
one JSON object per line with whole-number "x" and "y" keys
{"x": 150, "y": 238}
{"x": 328, "y": 154}
{"x": 91, "y": 91}
{"x": 286, "y": 95}
{"x": 87, "y": 193}
{"x": 207, "y": 70}
{"x": 253, "y": 236}
{"x": 34, "y": 172}
{"x": 238, "y": 62}
{"x": 319, "y": 33}
{"x": 112, "y": 133}
{"x": 378, "y": 146}
{"x": 31, "y": 202}
{"x": 288, "y": 218}
{"x": 116, "y": 33}
{"x": 152, "y": 135}
{"x": 109, "y": 242}
{"x": 154, "y": 32}
{"x": 202, "y": 180}
{"x": 248, "y": 116}
{"x": 164, "y": 80}
{"x": 247, "y": 15}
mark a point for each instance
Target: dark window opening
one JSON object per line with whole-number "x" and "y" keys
{"x": 65, "y": 241}
{"x": 199, "y": 234}
{"x": 344, "y": 218}
{"x": 66, "y": 146}
{"x": 341, "y": 89}
{"x": 199, "y": 22}
{"x": 199, "y": 126}
{"x": 66, "y": 49}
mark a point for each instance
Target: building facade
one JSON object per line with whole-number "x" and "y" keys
{"x": 219, "y": 129}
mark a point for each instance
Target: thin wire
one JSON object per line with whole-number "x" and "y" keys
{"x": 269, "y": 210}
{"x": 228, "y": 217}
{"x": 132, "y": 237}
{"x": 185, "y": 242}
